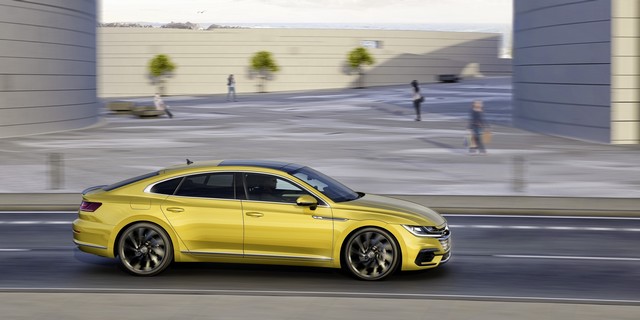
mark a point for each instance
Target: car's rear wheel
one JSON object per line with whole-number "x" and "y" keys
{"x": 371, "y": 254}
{"x": 144, "y": 249}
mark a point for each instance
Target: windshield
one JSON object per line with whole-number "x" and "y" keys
{"x": 331, "y": 188}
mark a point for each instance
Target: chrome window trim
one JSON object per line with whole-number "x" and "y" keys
{"x": 324, "y": 203}
{"x": 282, "y": 203}
{"x": 149, "y": 187}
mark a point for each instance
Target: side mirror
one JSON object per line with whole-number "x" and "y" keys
{"x": 307, "y": 201}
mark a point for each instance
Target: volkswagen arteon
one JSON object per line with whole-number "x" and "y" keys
{"x": 259, "y": 212}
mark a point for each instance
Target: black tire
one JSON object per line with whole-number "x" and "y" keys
{"x": 371, "y": 254}
{"x": 145, "y": 249}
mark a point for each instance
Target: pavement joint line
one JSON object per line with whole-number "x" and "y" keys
{"x": 287, "y": 293}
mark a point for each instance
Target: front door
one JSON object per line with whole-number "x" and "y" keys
{"x": 275, "y": 226}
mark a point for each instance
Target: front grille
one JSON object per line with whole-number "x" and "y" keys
{"x": 445, "y": 242}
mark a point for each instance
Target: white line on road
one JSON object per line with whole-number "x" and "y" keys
{"x": 565, "y": 257}
{"x": 22, "y": 222}
{"x": 14, "y": 250}
{"x": 484, "y": 226}
{"x": 538, "y": 217}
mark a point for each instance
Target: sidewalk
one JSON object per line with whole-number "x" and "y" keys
{"x": 365, "y": 138}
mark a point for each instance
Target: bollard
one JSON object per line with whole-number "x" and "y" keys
{"x": 56, "y": 171}
{"x": 519, "y": 181}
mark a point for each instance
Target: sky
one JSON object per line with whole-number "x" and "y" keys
{"x": 308, "y": 11}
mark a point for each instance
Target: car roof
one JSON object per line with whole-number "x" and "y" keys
{"x": 277, "y": 165}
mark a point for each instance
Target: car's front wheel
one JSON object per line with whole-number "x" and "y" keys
{"x": 144, "y": 249}
{"x": 371, "y": 254}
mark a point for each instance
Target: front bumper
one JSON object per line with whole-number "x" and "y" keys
{"x": 426, "y": 252}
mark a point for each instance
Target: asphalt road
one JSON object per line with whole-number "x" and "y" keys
{"x": 513, "y": 258}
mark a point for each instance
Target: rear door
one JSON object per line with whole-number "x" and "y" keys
{"x": 206, "y": 215}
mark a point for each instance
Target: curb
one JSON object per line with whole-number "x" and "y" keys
{"x": 450, "y": 204}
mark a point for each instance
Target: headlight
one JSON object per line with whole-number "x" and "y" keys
{"x": 432, "y": 232}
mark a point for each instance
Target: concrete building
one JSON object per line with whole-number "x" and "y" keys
{"x": 577, "y": 68}
{"x": 47, "y": 66}
{"x": 308, "y": 58}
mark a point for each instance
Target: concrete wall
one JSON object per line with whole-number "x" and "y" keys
{"x": 309, "y": 58}
{"x": 562, "y": 67}
{"x": 47, "y": 66}
{"x": 625, "y": 77}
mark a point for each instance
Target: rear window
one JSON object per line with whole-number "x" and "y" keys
{"x": 166, "y": 187}
{"x": 130, "y": 181}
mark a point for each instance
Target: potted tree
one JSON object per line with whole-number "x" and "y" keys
{"x": 356, "y": 59}
{"x": 160, "y": 68}
{"x": 264, "y": 65}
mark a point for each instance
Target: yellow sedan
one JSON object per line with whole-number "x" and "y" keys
{"x": 261, "y": 212}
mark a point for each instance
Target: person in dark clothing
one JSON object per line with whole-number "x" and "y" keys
{"x": 417, "y": 99}
{"x": 477, "y": 125}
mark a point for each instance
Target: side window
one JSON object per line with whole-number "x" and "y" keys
{"x": 208, "y": 185}
{"x": 265, "y": 187}
{"x": 166, "y": 187}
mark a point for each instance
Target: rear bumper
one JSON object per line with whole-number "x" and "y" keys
{"x": 92, "y": 237}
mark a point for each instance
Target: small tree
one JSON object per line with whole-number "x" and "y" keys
{"x": 357, "y": 58}
{"x": 160, "y": 67}
{"x": 263, "y": 63}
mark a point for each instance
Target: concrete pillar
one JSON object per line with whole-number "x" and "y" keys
{"x": 47, "y": 66}
{"x": 625, "y": 72}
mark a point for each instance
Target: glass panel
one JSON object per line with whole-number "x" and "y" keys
{"x": 264, "y": 187}
{"x": 167, "y": 187}
{"x": 210, "y": 185}
{"x": 331, "y": 188}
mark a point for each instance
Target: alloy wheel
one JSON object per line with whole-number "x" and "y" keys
{"x": 371, "y": 254}
{"x": 145, "y": 249}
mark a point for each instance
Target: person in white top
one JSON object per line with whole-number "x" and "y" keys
{"x": 160, "y": 105}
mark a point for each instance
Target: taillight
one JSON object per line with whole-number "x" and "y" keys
{"x": 89, "y": 206}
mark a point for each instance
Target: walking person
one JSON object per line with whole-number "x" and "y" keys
{"x": 417, "y": 99}
{"x": 160, "y": 105}
{"x": 231, "y": 86}
{"x": 477, "y": 125}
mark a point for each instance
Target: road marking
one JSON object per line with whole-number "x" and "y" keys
{"x": 485, "y": 226}
{"x": 14, "y": 250}
{"x": 537, "y": 217}
{"x": 565, "y": 257}
{"x": 33, "y": 222}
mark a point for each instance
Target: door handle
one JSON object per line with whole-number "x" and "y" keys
{"x": 175, "y": 209}
{"x": 254, "y": 214}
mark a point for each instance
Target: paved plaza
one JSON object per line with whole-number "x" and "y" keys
{"x": 366, "y": 138}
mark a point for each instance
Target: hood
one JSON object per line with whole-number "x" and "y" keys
{"x": 394, "y": 207}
